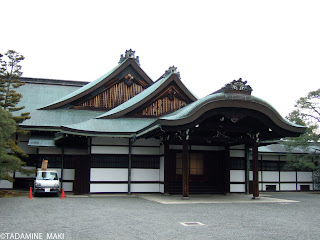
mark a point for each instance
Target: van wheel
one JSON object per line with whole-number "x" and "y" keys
{"x": 35, "y": 194}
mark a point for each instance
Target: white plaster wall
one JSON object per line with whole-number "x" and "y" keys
{"x": 146, "y": 150}
{"x": 109, "y": 141}
{"x": 237, "y": 188}
{"x": 237, "y": 176}
{"x": 162, "y": 188}
{"x": 304, "y": 176}
{"x": 287, "y": 187}
{"x": 20, "y": 175}
{"x": 68, "y": 186}
{"x": 108, "y": 187}
{"x": 161, "y": 169}
{"x": 109, "y": 174}
{"x": 251, "y": 176}
{"x": 144, "y": 174}
{"x": 68, "y": 174}
{"x": 6, "y": 184}
{"x": 288, "y": 176}
{"x": 270, "y": 176}
{"x": 109, "y": 150}
{"x": 145, "y": 187}
{"x": 237, "y": 153}
{"x": 147, "y": 142}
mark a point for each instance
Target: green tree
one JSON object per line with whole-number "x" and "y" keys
{"x": 11, "y": 153}
{"x": 10, "y": 72}
{"x": 306, "y": 113}
{"x": 9, "y": 163}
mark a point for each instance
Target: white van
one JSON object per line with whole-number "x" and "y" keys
{"x": 46, "y": 182}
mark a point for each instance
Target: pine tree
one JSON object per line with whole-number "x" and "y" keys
{"x": 306, "y": 113}
{"x": 10, "y": 72}
{"x": 9, "y": 163}
{"x": 10, "y": 152}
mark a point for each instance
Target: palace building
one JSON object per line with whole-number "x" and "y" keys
{"x": 125, "y": 133}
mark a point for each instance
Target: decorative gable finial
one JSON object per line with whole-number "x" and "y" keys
{"x": 129, "y": 54}
{"x": 237, "y": 86}
{"x": 172, "y": 69}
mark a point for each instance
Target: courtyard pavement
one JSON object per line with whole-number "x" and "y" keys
{"x": 155, "y": 216}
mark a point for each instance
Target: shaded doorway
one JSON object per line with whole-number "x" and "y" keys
{"x": 206, "y": 169}
{"x": 82, "y": 175}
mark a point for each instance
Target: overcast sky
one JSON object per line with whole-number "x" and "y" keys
{"x": 274, "y": 45}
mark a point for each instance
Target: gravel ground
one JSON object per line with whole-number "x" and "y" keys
{"x": 136, "y": 218}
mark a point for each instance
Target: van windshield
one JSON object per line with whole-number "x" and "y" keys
{"x": 47, "y": 176}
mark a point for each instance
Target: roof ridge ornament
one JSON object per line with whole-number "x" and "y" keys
{"x": 173, "y": 70}
{"x": 238, "y": 86}
{"x": 129, "y": 54}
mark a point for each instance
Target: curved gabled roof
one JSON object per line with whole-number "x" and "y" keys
{"x": 98, "y": 83}
{"x": 146, "y": 96}
{"x": 195, "y": 110}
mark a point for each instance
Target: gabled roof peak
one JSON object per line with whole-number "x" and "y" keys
{"x": 129, "y": 54}
{"x": 171, "y": 70}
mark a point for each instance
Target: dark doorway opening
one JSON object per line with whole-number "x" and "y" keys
{"x": 82, "y": 175}
{"x": 206, "y": 170}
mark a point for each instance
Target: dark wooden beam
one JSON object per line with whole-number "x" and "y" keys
{"x": 227, "y": 169}
{"x": 185, "y": 168}
{"x": 166, "y": 167}
{"x": 255, "y": 165}
{"x": 247, "y": 172}
{"x": 129, "y": 165}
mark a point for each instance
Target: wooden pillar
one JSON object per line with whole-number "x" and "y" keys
{"x": 166, "y": 167}
{"x": 255, "y": 169}
{"x": 227, "y": 169}
{"x": 62, "y": 163}
{"x": 247, "y": 173}
{"x": 129, "y": 166}
{"x": 89, "y": 160}
{"x": 185, "y": 168}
